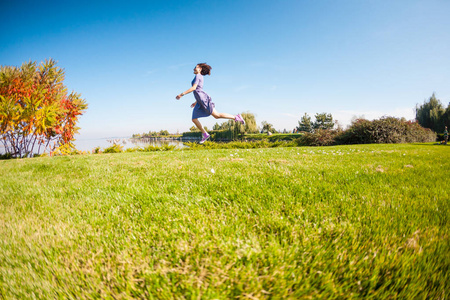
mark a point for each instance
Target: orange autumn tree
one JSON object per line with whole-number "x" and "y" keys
{"x": 36, "y": 112}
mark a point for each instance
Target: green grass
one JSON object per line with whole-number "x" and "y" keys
{"x": 360, "y": 221}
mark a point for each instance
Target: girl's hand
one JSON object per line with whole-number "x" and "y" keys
{"x": 178, "y": 97}
{"x": 193, "y": 104}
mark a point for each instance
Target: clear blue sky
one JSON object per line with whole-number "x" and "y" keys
{"x": 276, "y": 59}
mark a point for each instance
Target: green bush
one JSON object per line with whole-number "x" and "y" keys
{"x": 6, "y": 156}
{"x": 358, "y": 133}
{"x": 414, "y": 133}
{"x": 97, "y": 150}
{"x": 115, "y": 148}
{"x": 134, "y": 149}
{"x": 167, "y": 147}
{"x": 321, "y": 137}
{"x": 196, "y": 134}
{"x": 152, "y": 148}
{"x": 283, "y": 137}
{"x": 385, "y": 131}
{"x": 217, "y": 135}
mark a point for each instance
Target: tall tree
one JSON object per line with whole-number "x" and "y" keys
{"x": 323, "y": 121}
{"x": 305, "y": 124}
{"x": 430, "y": 113}
{"x": 250, "y": 123}
{"x": 36, "y": 112}
{"x": 446, "y": 117}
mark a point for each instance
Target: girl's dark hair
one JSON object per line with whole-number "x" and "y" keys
{"x": 206, "y": 69}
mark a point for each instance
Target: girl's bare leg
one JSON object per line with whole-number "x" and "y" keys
{"x": 217, "y": 115}
{"x": 199, "y": 125}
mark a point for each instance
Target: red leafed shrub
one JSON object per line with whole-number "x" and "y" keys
{"x": 36, "y": 112}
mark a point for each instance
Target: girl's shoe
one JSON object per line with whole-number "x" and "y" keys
{"x": 205, "y": 137}
{"x": 238, "y": 118}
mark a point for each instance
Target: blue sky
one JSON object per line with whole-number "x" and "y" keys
{"x": 276, "y": 59}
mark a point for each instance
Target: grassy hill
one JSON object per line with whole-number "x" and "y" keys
{"x": 360, "y": 221}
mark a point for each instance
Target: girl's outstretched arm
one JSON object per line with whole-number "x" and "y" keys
{"x": 187, "y": 92}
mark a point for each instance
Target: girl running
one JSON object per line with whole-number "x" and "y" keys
{"x": 203, "y": 106}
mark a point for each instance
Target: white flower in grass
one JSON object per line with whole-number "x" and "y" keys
{"x": 212, "y": 171}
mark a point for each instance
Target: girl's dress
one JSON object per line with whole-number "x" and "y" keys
{"x": 204, "y": 106}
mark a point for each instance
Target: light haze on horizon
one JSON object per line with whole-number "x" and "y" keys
{"x": 276, "y": 59}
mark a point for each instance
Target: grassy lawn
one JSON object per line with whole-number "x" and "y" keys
{"x": 360, "y": 221}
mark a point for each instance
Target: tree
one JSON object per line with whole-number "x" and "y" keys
{"x": 431, "y": 114}
{"x": 267, "y": 127}
{"x": 446, "y": 117}
{"x": 323, "y": 121}
{"x": 216, "y": 126}
{"x": 250, "y": 123}
{"x": 236, "y": 129}
{"x": 36, "y": 110}
{"x": 164, "y": 132}
{"x": 249, "y": 127}
{"x": 305, "y": 124}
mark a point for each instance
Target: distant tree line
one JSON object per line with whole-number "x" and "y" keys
{"x": 230, "y": 125}
{"x": 431, "y": 114}
{"x": 151, "y": 134}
